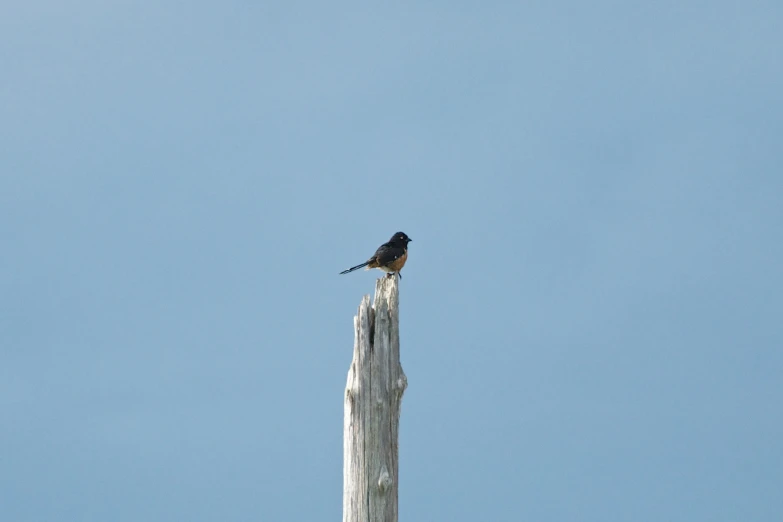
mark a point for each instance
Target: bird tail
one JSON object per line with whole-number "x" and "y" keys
{"x": 357, "y": 267}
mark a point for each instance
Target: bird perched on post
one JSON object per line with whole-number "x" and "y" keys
{"x": 390, "y": 257}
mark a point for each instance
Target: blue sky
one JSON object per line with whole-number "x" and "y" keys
{"x": 591, "y": 310}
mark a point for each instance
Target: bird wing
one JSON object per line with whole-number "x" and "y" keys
{"x": 388, "y": 253}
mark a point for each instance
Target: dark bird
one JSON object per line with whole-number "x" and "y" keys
{"x": 390, "y": 257}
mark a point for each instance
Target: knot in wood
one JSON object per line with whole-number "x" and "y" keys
{"x": 384, "y": 480}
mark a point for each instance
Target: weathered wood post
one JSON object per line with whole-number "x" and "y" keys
{"x": 373, "y": 396}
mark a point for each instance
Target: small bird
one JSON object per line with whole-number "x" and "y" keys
{"x": 390, "y": 257}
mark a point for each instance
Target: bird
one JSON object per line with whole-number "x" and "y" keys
{"x": 390, "y": 256}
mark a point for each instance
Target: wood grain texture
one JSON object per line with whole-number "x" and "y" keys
{"x": 373, "y": 396}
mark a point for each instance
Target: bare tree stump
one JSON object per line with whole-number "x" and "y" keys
{"x": 373, "y": 396}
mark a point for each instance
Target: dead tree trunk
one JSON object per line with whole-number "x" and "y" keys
{"x": 373, "y": 395}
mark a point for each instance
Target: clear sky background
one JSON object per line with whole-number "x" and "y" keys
{"x": 590, "y": 314}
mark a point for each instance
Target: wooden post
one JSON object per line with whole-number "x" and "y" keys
{"x": 373, "y": 396}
